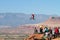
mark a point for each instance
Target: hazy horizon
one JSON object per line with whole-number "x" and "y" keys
{"x": 16, "y": 19}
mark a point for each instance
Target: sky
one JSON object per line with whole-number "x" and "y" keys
{"x": 50, "y": 7}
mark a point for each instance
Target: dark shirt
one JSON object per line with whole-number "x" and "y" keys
{"x": 41, "y": 30}
{"x": 50, "y": 31}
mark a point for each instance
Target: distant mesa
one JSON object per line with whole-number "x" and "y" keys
{"x": 52, "y": 21}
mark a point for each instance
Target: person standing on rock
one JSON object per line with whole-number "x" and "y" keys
{"x": 35, "y": 30}
{"x": 41, "y": 30}
{"x": 56, "y": 32}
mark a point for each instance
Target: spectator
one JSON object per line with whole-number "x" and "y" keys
{"x": 41, "y": 30}
{"x": 46, "y": 29}
{"x": 56, "y": 31}
{"x": 50, "y": 33}
{"x": 49, "y": 36}
{"x": 35, "y": 30}
{"x": 53, "y": 33}
{"x": 59, "y": 31}
{"x": 50, "y": 30}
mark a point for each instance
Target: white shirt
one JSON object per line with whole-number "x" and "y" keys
{"x": 59, "y": 30}
{"x": 44, "y": 29}
{"x": 53, "y": 31}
